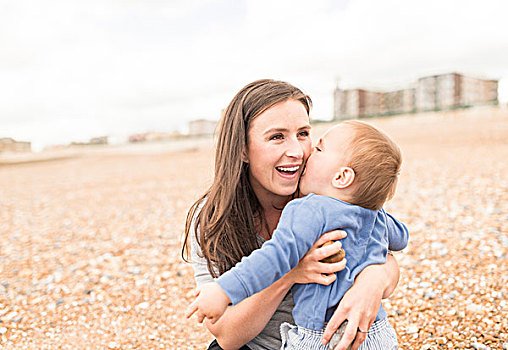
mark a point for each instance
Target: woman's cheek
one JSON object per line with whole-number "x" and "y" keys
{"x": 307, "y": 149}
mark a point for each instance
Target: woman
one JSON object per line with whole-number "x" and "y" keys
{"x": 263, "y": 143}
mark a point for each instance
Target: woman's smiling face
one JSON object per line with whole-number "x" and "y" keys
{"x": 278, "y": 144}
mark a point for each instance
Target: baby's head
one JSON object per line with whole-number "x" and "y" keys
{"x": 354, "y": 162}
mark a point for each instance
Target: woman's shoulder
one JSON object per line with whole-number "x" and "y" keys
{"x": 199, "y": 263}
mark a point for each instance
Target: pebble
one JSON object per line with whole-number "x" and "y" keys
{"x": 412, "y": 329}
{"x": 425, "y": 284}
{"x": 143, "y": 305}
{"x": 337, "y": 336}
{"x": 441, "y": 340}
{"x": 412, "y": 285}
{"x": 10, "y": 316}
{"x": 135, "y": 270}
{"x": 474, "y": 308}
{"x": 430, "y": 295}
{"x": 478, "y": 346}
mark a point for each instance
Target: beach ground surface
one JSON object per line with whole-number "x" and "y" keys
{"x": 90, "y": 245}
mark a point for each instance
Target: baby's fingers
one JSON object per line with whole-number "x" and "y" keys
{"x": 213, "y": 319}
{"x": 191, "y": 309}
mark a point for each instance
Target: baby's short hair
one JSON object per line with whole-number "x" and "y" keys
{"x": 376, "y": 160}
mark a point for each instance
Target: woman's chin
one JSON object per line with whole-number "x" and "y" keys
{"x": 287, "y": 190}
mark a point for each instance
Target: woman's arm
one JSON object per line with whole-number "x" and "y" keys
{"x": 244, "y": 321}
{"x": 361, "y": 302}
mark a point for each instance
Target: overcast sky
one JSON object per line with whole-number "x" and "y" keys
{"x": 70, "y": 69}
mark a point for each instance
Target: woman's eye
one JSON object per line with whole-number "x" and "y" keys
{"x": 277, "y": 137}
{"x": 303, "y": 133}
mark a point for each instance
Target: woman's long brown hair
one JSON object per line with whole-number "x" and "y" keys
{"x": 226, "y": 217}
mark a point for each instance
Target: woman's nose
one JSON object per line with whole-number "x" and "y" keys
{"x": 294, "y": 149}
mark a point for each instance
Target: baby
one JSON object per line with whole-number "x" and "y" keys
{"x": 350, "y": 174}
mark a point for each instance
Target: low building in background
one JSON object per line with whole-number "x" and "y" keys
{"x": 432, "y": 93}
{"x": 9, "y": 145}
{"x": 94, "y": 141}
{"x": 201, "y": 127}
{"x": 399, "y": 101}
{"x": 154, "y": 136}
{"x": 101, "y": 140}
{"x": 358, "y": 103}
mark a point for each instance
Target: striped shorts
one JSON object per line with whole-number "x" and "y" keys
{"x": 381, "y": 336}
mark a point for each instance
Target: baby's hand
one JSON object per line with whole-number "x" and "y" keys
{"x": 211, "y": 303}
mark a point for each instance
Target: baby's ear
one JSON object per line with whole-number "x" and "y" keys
{"x": 343, "y": 178}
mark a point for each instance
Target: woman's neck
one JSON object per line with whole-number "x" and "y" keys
{"x": 272, "y": 220}
{"x": 271, "y": 209}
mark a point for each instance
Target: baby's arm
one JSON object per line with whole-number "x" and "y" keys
{"x": 292, "y": 238}
{"x": 398, "y": 234}
{"x": 388, "y": 234}
{"x": 211, "y": 303}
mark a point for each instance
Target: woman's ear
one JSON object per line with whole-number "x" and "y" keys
{"x": 343, "y": 178}
{"x": 245, "y": 158}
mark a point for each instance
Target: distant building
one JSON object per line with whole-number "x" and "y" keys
{"x": 154, "y": 136}
{"x": 161, "y": 136}
{"x": 437, "y": 92}
{"x": 202, "y": 127}
{"x": 399, "y": 101}
{"x": 358, "y": 103}
{"x": 137, "y": 138}
{"x": 9, "y": 145}
{"x": 453, "y": 90}
{"x": 101, "y": 140}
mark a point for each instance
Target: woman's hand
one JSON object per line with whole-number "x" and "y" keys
{"x": 311, "y": 270}
{"x": 360, "y": 304}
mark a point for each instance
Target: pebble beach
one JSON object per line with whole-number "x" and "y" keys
{"x": 90, "y": 244}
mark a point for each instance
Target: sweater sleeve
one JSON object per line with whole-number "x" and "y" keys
{"x": 298, "y": 228}
{"x": 398, "y": 234}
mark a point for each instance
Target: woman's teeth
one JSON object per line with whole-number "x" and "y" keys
{"x": 288, "y": 169}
